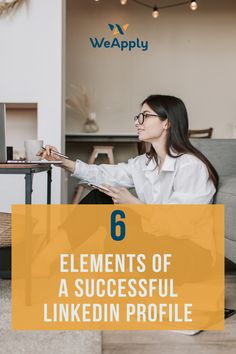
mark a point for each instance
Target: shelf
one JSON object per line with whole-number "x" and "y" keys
{"x": 21, "y": 106}
{"x": 104, "y": 138}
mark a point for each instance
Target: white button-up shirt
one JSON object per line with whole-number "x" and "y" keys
{"x": 182, "y": 180}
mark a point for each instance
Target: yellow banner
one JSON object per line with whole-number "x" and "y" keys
{"x": 118, "y": 267}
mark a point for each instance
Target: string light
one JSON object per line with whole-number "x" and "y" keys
{"x": 193, "y": 5}
{"x": 155, "y": 12}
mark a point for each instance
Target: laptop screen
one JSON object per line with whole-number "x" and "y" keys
{"x": 3, "y": 150}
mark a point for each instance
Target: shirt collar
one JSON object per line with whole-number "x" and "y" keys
{"x": 169, "y": 163}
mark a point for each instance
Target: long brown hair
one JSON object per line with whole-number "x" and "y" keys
{"x": 173, "y": 109}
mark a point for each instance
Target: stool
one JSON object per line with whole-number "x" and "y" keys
{"x": 97, "y": 150}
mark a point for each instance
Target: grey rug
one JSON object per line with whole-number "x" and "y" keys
{"x": 37, "y": 342}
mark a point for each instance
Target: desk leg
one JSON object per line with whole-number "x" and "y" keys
{"x": 49, "y": 181}
{"x": 49, "y": 175}
{"x": 28, "y": 281}
{"x": 28, "y": 200}
{"x": 28, "y": 187}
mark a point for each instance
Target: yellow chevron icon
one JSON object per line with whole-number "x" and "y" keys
{"x": 117, "y": 30}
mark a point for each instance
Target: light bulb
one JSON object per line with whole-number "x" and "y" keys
{"x": 155, "y": 12}
{"x": 123, "y": 2}
{"x": 193, "y": 5}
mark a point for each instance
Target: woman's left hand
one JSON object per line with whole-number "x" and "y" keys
{"x": 121, "y": 195}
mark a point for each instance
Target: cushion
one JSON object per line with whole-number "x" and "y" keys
{"x": 230, "y": 250}
{"x": 221, "y": 153}
{"x": 5, "y": 229}
{"x": 227, "y": 195}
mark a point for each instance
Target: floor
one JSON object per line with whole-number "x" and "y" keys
{"x": 163, "y": 342}
{"x": 41, "y": 342}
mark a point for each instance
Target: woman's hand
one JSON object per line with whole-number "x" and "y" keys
{"x": 48, "y": 154}
{"x": 121, "y": 195}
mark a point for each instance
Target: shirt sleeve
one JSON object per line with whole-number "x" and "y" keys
{"x": 114, "y": 175}
{"x": 192, "y": 185}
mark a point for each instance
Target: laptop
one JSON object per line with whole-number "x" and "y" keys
{"x": 3, "y": 148}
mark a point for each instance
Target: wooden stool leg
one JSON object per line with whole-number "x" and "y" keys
{"x": 92, "y": 157}
{"x": 79, "y": 189}
{"x": 110, "y": 157}
{"x": 77, "y": 194}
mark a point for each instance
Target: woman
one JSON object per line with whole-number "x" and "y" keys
{"x": 172, "y": 172}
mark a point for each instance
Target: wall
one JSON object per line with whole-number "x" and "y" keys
{"x": 32, "y": 56}
{"x": 21, "y": 125}
{"x": 192, "y": 55}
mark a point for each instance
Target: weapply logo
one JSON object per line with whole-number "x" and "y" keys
{"x": 119, "y": 43}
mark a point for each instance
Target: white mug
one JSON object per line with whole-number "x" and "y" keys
{"x": 31, "y": 149}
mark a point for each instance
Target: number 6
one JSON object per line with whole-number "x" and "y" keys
{"x": 115, "y": 224}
